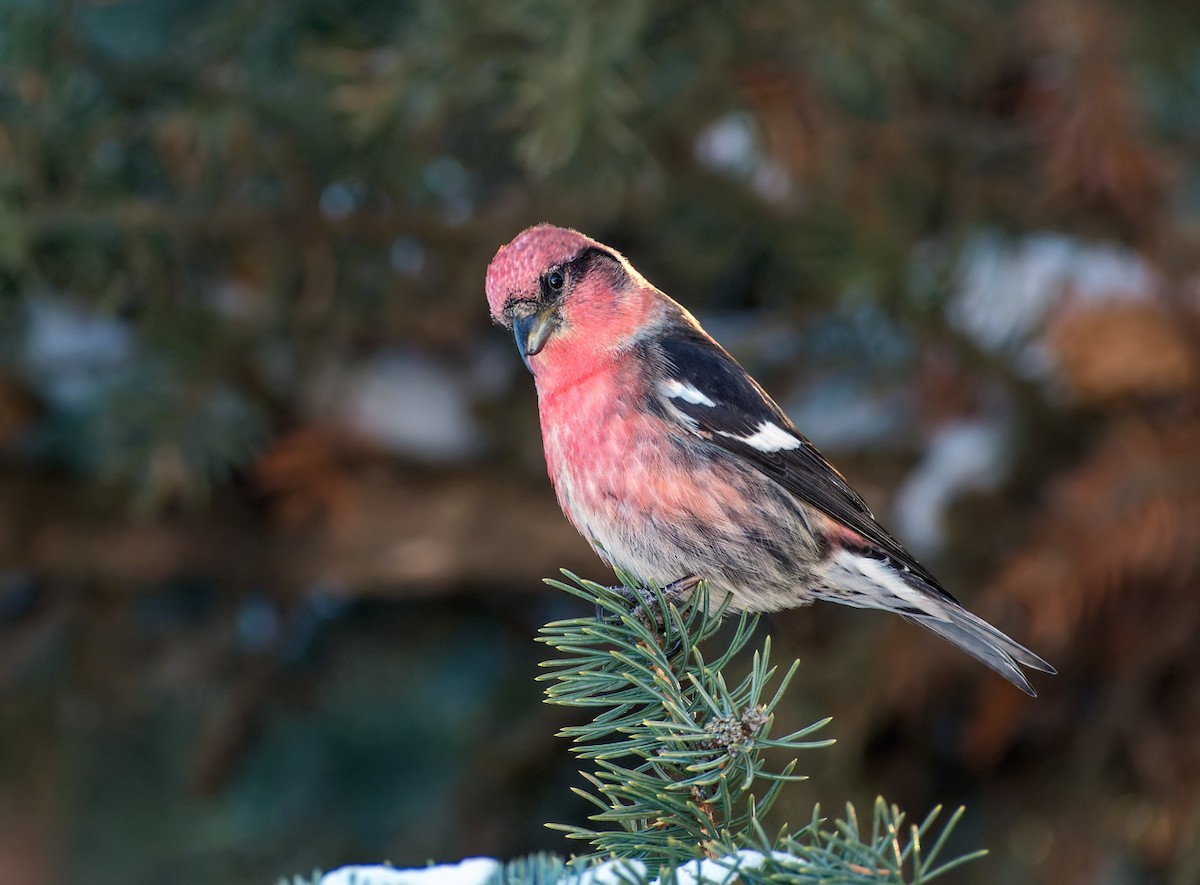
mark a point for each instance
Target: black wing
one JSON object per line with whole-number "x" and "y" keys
{"x": 718, "y": 401}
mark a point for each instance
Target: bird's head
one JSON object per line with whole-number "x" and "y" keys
{"x": 565, "y": 295}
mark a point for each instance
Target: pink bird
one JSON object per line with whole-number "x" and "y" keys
{"x": 676, "y": 465}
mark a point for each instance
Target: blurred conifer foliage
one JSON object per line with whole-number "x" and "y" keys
{"x": 245, "y": 364}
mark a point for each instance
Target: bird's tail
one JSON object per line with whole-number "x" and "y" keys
{"x": 985, "y": 643}
{"x": 866, "y": 580}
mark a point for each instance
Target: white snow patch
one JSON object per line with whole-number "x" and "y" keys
{"x": 72, "y": 351}
{"x": 732, "y": 146}
{"x": 478, "y": 870}
{"x": 404, "y": 402}
{"x": 1008, "y": 288}
{"x": 611, "y": 872}
{"x": 725, "y": 870}
{"x": 472, "y": 871}
{"x": 729, "y": 145}
{"x": 843, "y": 414}
{"x": 721, "y": 871}
{"x": 965, "y": 455}
{"x": 772, "y": 182}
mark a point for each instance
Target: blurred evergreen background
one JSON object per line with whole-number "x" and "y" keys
{"x": 273, "y": 511}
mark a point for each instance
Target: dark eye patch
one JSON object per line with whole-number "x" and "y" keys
{"x": 553, "y": 284}
{"x": 556, "y": 282}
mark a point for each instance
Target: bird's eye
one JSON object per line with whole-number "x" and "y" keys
{"x": 554, "y": 280}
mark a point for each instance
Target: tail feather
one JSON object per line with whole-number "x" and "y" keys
{"x": 985, "y": 643}
{"x": 872, "y": 580}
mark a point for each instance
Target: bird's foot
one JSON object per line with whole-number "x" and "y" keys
{"x": 644, "y": 601}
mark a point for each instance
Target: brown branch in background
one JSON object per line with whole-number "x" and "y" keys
{"x": 383, "y": 530}
{"x": 1097, "y": 155}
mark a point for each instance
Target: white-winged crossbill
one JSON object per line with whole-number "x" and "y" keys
{"x": 674, "y": 463}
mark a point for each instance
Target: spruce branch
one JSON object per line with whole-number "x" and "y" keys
{"x": 676, "y": 751}
{"x": 677, "y": 765}
{"x": 679, "y": 768}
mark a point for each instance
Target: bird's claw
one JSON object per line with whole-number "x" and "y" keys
{"x": 672, "y": 593}
{"x": 644, "y": 601}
